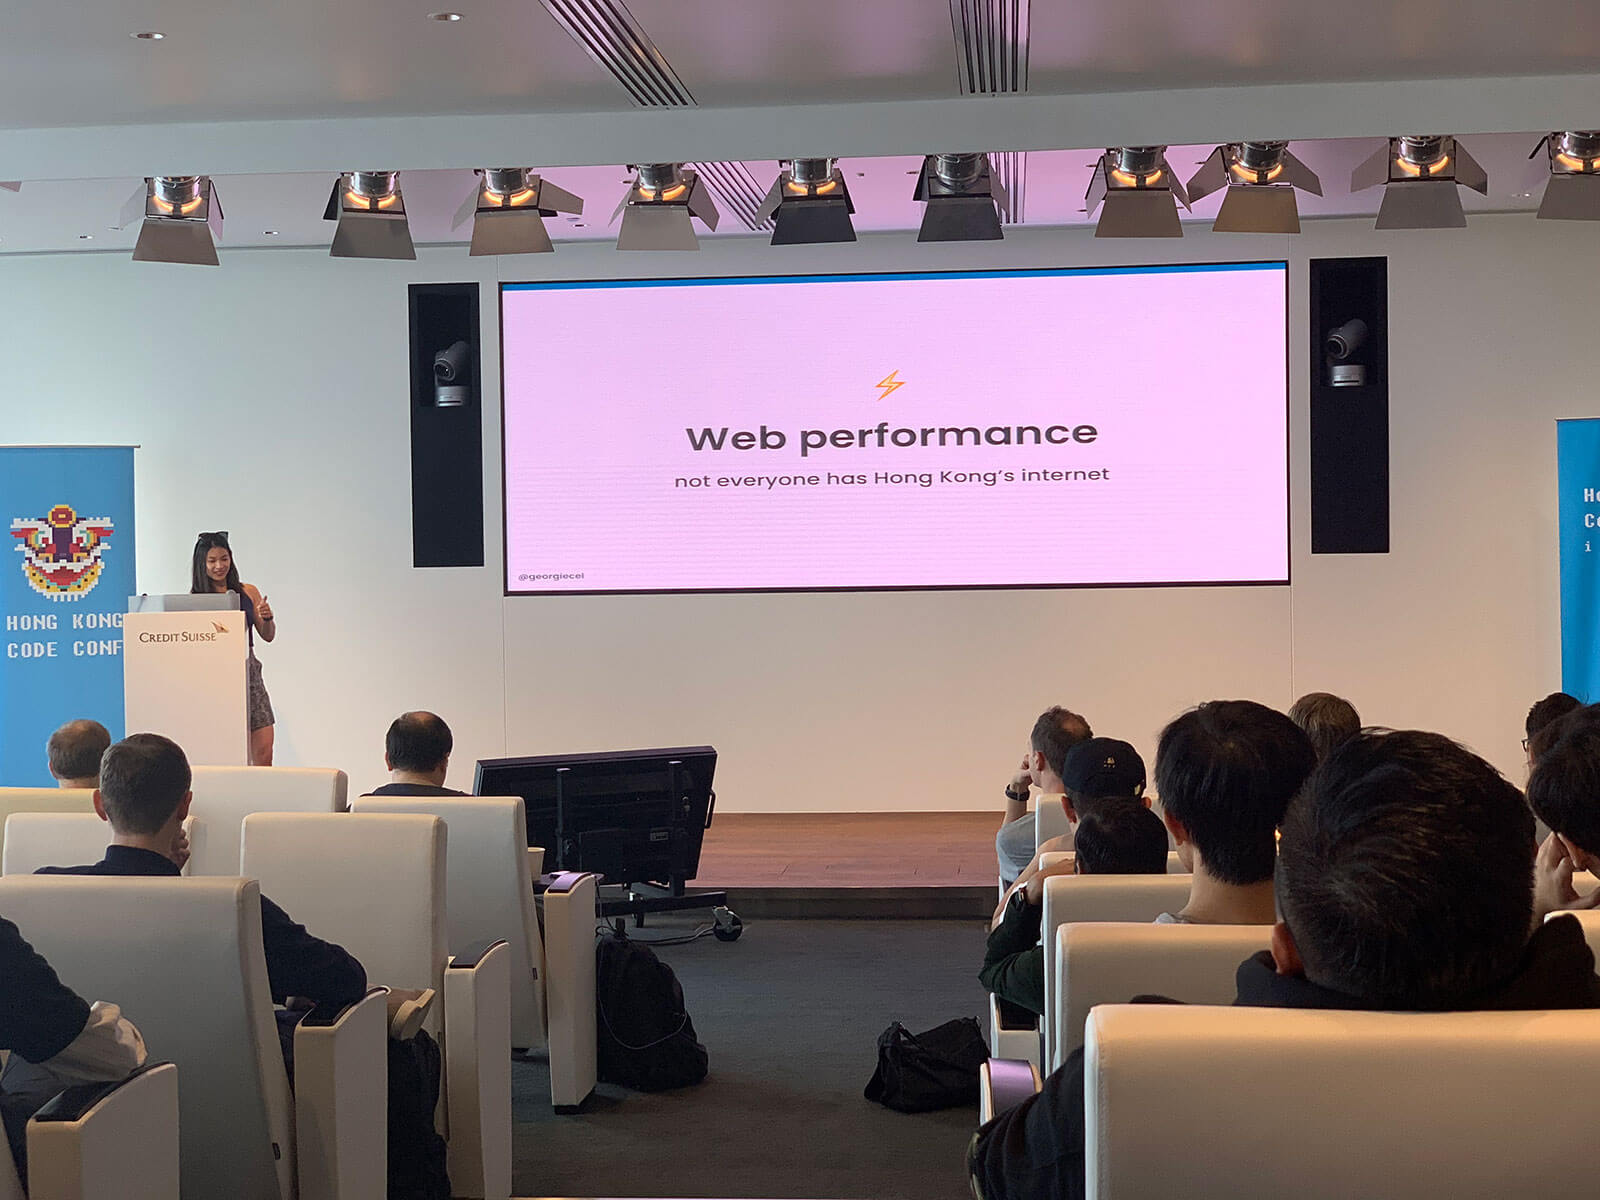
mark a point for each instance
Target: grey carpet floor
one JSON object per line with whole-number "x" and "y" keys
{"x": 790, "y": 1015}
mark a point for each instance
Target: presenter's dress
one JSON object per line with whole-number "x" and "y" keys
{"x": 259, "y": 702}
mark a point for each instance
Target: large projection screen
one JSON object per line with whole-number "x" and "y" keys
{"x": 1049, "y": 428}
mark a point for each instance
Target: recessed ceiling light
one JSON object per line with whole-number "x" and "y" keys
{"x": 86, "y": 237}
{"x": 577, "y": 224}
{"x": 149, "y": 35}
{"x": 444, "y": 16}
{"x": 269, "y": 233}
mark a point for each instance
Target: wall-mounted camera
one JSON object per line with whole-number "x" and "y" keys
{"x": 1340, "y": 348}
{"x": 452, "y": 376}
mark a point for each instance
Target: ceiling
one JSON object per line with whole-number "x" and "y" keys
{"x": 73, "y": 62}
{"x": 272, "y": 99}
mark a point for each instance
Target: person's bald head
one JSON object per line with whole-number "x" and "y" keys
{"x": 419, "y": 743}
{"x": 74, "y": 751}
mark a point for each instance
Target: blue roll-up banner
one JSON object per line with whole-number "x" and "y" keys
{"x": 66, "y": 572}
{"x": 1578, "y": 516}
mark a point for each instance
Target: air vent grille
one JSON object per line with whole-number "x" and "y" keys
{"x": 1010, "y": 168}
{"x": 991, "y": 45}
{"x": 736, "y": 190}
{"x": 611, "y": 36}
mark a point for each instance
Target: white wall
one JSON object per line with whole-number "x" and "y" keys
{"x": 270, "y": 399}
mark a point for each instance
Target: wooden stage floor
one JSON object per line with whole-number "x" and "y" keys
{"x": 830, "y": 851}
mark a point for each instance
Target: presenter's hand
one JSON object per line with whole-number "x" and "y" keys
{"x": 264, "y": 610}
{"x": 180, "y": 849}
{"x": 1552, "y": 878}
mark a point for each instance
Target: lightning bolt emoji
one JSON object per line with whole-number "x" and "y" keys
{"x": 889, "y": 383}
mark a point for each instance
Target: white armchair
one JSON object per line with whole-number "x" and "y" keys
{"x": 183, "y": 958}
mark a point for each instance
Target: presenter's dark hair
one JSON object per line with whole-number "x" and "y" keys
{"x": 1552, "y": 708}
{"x": 417, "y": 741}
{"x": 143, "y": 779}
{"x": 1227, "y": 770}
{"x": 1328, "y": 720}
{"x": 1403, "y": 872}
{"x": 199, "y": 581}
{"x": 1564, "y": 788}
{"x": 75, "y": 749}
{"x": 1121, "y": 837}
{"x": 1055, "y": 732}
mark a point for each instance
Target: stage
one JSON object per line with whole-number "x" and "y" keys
{"x": 853, "y": 864}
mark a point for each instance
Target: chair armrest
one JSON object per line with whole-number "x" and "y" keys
{"x": 477, "y": 1069}
{"x": 100, "y": 1141}
{"x": 341, "y": 1100}
{"x": 569, "y": 915}
{"x": 1004, "y": 1083}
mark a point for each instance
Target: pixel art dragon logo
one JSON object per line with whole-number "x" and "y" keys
{"x": 64, "y": 554}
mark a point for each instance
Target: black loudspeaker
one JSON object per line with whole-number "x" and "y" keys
{"x": 1349, "y": 406}
{"x": 446, "y": 426}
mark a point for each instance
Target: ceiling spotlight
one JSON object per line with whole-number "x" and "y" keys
{"x": 1259, "y": 181}
{"x": 1573, "y": 192}
{"x": 962, "y": 197}
{"x": 149, "y": 35}
{"x": 371, "y": 215}
{"x": 508, "y": 208}
{"x": 657, "y": 208}
{"x": 182, "y": 220}
{"x": 1420, "y": 175}
{"x": 810, "y": 204}
{"x": 1136, "y": 192}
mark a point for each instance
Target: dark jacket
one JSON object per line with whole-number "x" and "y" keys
{"x": 1035, "y": 1151}
{"x": 298, "y": 964}
{"x": 1013, "y": 960}
{"x": 413, "y": 789}
{"x": 39, "y": 1015}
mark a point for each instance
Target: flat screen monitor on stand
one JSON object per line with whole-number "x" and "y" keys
{"x": 634, "y": 817}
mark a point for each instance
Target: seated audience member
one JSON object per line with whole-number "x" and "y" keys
{"x": 1094, "y": 772}
{"x": 1542, "y": 716}
{"x": 417, "y": 754}
{"x": 74, "y": 751}
{"x": 1121, "y": 839}
{"x": 1564, "y": 793}
{"x": 1225, "y": 772}
{"x": 56, "y": 1040}
{"x": 1105, "y": 780}
{"x": 1056, "y": 731}
{"x": 1404, "y": 887}
{"x": 144, "y": 794}
{"x": 1326, "y": 719}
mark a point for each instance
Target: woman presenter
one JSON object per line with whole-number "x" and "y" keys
{"x": 214, "y": 571}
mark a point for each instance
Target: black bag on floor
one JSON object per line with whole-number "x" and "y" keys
{"x": 921, "y": 1072}
{"x": 647, "y": 1041}
{"x": 417, "y": 1167}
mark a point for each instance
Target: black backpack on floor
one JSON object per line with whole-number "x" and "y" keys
{"x": 647, "y": 1041}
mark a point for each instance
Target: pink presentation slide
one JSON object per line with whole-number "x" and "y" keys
{"x": 986, "y": 429}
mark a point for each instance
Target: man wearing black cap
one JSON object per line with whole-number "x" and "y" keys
{"x": 1099, "y": 775}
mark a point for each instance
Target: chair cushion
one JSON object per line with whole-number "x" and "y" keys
{"x": 1324, "y": 1105}
{"x": 373, "y": 883}
{"x": 67, "y": 839}
{"x": 1112, "y": 962}
{"x": 224, "y": 796}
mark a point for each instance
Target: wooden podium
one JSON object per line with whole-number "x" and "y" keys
{"x": 184, "y": 677}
